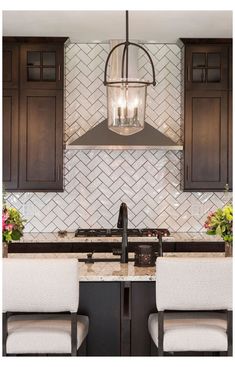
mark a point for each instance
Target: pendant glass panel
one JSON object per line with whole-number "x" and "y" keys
{"x": 126, "y": 107}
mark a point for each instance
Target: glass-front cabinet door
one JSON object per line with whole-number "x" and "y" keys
{"x": 41, "y": 66}
{"x": 206, "y": 67}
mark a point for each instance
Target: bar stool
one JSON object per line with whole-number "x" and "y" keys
{"x": 40, "y": 303}
{"x": 198, "y": 292}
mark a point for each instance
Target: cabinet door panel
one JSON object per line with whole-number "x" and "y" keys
{"x": 10, "y": 65}
{"x": 143, "y": 303}
{"x": 10, "y": 139}
{"x": 206, "y": 67}
{"x": 41, "y": 66}
{"x": 230, "y": 140}
{"x": 206, "y": 140}
{"x": 100, "y": 301}
{"x": 41, "y": 140}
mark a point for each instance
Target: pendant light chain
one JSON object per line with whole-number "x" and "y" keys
{"x": 127, "y": 43}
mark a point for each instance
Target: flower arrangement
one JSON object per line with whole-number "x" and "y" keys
{"x": 12, "y": 224}
{"x": 221, "y": 223}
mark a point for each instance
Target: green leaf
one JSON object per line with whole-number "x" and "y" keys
{"x": 210, "y": 232}
{"x": 218, "y": 231}
{"x": 16, "y": 235}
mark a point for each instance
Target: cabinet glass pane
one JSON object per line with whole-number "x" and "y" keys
{"x": 33, "y": 74}
{"x": 48, "y": 74}
{"x": 48, "y": 58}
{"x": 213, "y": 60}
{"x": 199, "y": 60}
{"x": 33, "y": 58}
{"x": 213, "y": 75}
{"x": 198, "y": 75}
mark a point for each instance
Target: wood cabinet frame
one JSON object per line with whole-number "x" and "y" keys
{"x": 222, "y": 90}
{"x": 19, "y": 89}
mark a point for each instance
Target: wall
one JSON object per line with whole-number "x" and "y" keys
{"x": 97, "y": 181}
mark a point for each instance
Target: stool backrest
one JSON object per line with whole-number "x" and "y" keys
{"x": 40, "y": 285}
{"x": 193, "y": 283}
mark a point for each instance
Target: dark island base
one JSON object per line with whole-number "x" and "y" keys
{"x": 110, "y": 246}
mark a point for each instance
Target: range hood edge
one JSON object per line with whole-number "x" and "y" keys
{"x": 100, "y": 137}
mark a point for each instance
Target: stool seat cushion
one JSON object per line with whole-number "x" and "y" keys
{"x": 191, "y": 331}
{"x": 43, "y": 334}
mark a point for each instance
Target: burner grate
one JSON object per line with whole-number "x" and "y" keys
{"x": 117, "y": 232}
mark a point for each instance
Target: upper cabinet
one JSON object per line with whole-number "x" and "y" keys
{"x": 33, "y": 114}
{"x": 41, "y": 140}
{"x": 10, "y": 138}
{"x": 10, "y": 64}
{"x": 208, "y": 115}
{"x": 207, "y": 67}
{"x": 41, "y": 66}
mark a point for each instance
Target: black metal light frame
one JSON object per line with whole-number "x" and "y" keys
{"x": 126, "y": 44}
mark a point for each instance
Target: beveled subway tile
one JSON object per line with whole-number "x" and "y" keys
{"x": 96, "y": 181}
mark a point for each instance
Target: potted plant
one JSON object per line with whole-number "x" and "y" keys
{"x": 12, "y": 227}
{"x": 221, "y": 223}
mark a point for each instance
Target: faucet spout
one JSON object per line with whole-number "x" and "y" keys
{"x": 123, "y": 223}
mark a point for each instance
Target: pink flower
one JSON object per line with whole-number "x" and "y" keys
{"x": 3, "y": 224}
{"x": 9, "y": 227}
{"x": 5, "y": 214}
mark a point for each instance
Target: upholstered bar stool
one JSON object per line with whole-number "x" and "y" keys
{"x": 37, "y": 294}
{"x": 199, "y": 294}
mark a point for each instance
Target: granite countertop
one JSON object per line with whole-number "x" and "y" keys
{"x": 111, "y": 271}
{"x": 69, "y": 237}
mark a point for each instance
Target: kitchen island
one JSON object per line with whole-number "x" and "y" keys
{"x": 118, "y": 299}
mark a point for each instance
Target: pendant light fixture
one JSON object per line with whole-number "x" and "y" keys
{"x": 126, "y": 96}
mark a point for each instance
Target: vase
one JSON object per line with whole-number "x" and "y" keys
{"x": 4, "y": 249}
{"x": 228, "y": 248}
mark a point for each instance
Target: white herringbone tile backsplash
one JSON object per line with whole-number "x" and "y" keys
{"x": 97, "y": 181}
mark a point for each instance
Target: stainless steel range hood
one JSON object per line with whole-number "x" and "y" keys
{"x": 100, "y": 137}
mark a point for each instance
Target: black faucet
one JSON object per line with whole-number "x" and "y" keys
{"x": 122, "y": 223}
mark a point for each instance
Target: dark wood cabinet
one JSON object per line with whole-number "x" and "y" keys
{"x": 230, "y": 139}
{"x": 100, "y": 301}
{"x": 10, "y": 65}
{"x": 206, "y": 140}
{"x": 118, "y": 317}
{"x": 41, "y": 66}
{"x": 143, "y": 297}
{"x": 207, "y": 115}
{"x": 41, "y": 139}
{"x": 33, "y": 148}
{"x": 207, "y": 67}
{"x": 10, "y": 138}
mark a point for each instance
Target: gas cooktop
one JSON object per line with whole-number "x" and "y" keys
{"x": 116, "y": 232}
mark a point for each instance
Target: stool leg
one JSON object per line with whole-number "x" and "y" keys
{"x": 4, "y": 333}
{"x": 160, "y": 333}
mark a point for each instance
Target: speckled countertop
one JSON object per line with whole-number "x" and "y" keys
{"x": 174, "y": 237}
{"x": 112, "y": 271}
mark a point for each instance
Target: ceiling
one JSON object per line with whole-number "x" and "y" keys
{"x": 87, "y": 26}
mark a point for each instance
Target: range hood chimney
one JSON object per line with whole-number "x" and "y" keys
{"x": 100, "y": 137}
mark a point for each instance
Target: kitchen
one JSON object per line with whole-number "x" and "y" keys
{"x": 117, "y": 202}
